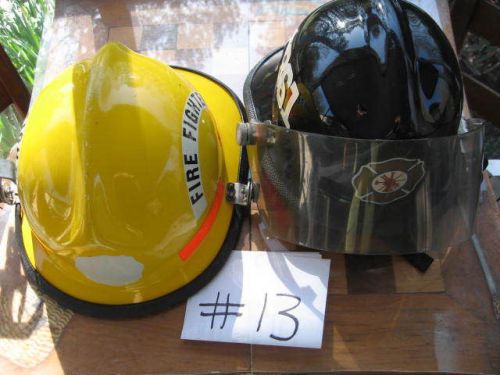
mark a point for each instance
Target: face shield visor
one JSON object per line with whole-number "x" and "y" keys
{"x": 352, "y": 194}
{"x": 366, "y": 196}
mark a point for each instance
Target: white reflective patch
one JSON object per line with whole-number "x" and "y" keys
{"x": 387, "y": 181}
{"x": 110, "y": 270}
{"x": 192, "y": 174}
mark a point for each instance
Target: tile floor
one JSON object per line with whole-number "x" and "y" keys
{"x": 223, "y": 38}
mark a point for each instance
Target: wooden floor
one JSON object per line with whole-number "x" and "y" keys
{"x": 382, "y": 314}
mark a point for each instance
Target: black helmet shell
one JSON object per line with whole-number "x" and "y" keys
{"x": 376, "y": 69}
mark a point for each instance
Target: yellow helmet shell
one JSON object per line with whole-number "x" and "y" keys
{"x": 122, "y": 174}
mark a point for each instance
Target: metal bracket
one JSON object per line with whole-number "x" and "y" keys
{"x": 246, "y": 134}
{"x": 242, "y": 194}
{"x": 8, "y": 191}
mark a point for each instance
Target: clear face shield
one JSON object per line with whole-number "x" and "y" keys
{"x": 366, "y": 196}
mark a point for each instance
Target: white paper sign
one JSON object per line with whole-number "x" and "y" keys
{"x": 494, "y": 167}
{"x": 270, "y": 298}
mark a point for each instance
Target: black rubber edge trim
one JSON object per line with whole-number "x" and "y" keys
{"x": 247, "y": 86}
{"x": 172, "y": 299}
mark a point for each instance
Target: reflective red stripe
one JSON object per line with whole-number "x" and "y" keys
{"x": 192, "y": 245}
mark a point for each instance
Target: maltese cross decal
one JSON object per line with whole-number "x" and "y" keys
{"x": 387, "y": 181}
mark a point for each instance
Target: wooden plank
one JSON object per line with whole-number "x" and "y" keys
{"x": 399, "y": 333}
{"x": 410, "y": 280}
{"x": 244, "y": 240}
{"x": 487, "y": 230}
{"x": 5, "y": 99}
{"x": 338, "y": 277}
{"x": 13, "y": 84}
{"x": 482, "y": 99}
{"x": 460, "y": 263}
{"x": 369, "y": 274}
{"x": 461, "y": 15}
{"x": 485, "y": 21}
{"x": 144, "y": 346}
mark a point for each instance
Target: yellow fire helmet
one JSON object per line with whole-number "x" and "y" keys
{"x": 125, "y": 173}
